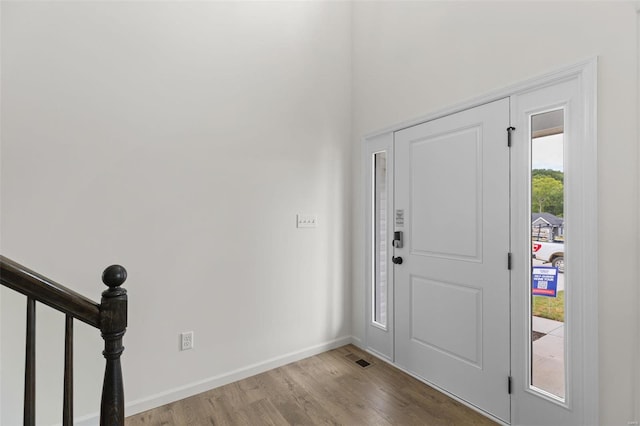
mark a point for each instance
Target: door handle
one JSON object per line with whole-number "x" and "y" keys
{"x": 396, "y": 260}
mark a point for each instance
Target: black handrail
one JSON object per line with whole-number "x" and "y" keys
{"x": 49, "y": 292}
{"x": 110, "y": 316}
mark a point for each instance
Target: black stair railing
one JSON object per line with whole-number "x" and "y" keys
{"x": 110, "y": 317}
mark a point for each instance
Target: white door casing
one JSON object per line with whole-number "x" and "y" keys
{"x": 452, "y": 289}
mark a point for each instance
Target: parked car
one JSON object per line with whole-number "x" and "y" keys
{"x": 550, "y": 253}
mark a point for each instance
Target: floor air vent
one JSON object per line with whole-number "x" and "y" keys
{"x": 362, "y": 363}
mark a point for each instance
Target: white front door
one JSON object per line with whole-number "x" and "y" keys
{"x": 452, "y": 287}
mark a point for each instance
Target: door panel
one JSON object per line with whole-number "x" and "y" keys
{"x": 452, "y": 289}
{"x": 432, "y": 158}
{"x": 431, "y": 301}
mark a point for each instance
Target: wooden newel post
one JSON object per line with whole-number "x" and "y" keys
{"x": 113, "y": 324}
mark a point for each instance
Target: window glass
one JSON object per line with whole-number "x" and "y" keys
{"x": 548, "y": 360}
{"x": 379, "y": 291}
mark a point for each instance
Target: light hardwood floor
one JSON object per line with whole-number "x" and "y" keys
{"x": 327, "y": 389}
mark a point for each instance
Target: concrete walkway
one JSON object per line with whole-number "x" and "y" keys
{"x": 548, "y": 356}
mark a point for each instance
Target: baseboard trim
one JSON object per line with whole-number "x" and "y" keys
{"x": 181, "y": 392}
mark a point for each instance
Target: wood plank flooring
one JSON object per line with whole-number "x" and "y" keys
{"x": 327, "y": 389}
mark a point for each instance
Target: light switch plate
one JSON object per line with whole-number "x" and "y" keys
{"x": 307, "y": 220}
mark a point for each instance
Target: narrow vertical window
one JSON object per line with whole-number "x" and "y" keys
{"x": 548, "y": 272}
{"x": 379, "y": 215}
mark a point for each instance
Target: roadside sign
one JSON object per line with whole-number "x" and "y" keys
{"x": 544, "y": 281}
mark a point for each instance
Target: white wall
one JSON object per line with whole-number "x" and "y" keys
{"x": 414, "y": 58}
{"x": 179, "y": 140}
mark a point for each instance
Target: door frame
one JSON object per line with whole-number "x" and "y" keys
{"x": 586, "y": 400}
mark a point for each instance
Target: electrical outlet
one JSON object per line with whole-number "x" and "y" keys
{"x": 186, "y": 340}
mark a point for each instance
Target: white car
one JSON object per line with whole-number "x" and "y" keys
{"x": 549, "y": 253}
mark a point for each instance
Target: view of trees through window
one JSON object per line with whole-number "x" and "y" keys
{"x": 547, "y": 191}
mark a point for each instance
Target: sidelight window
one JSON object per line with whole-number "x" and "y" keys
{"x": 548, "y": 273}
{"x": 379, "y": 243}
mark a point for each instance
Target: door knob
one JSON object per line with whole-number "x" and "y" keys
{"x": 396, "y": 260}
